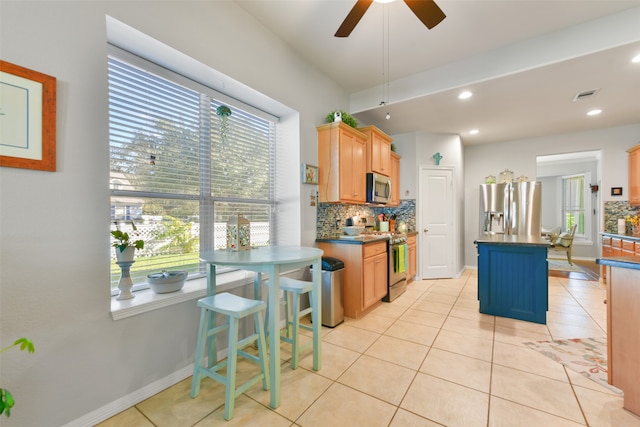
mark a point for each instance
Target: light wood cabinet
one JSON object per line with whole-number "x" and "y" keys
{"x": 341, "y": 164}
{"x": 623, "y": 340}
{"x": 616, "y": 246}
{"x": 378, "y": 150}
{"x": 375, "y": 272}
{"x": 395, "y": 180}
{"x": 364, "y": 280}
{"x": 413, "y": 257}
{"x": 634, "y": 175}
{"x": 628, "y": 248}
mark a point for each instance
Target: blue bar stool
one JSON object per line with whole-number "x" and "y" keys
{"x": 233, "y": 308}
{"x": 295, "y": 289}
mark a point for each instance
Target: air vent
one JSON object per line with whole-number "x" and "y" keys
{"x": 585, "y": 94}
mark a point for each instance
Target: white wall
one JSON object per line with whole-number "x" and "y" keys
{"x": 54, "y": 247}
{"x": 520, "y": 157}
{"x": 417, "y": 150}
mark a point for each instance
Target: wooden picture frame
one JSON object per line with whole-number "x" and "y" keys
{"x": 309, "y": 174}
{"x": 28, "y": 115}
{"x": 616, "y": 191}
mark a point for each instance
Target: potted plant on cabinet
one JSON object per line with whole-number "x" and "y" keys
{"x": 344, "y": 117}
{"x": 125, "y": 247}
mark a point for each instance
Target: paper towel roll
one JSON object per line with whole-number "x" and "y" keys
{"x": 622, "y": 226}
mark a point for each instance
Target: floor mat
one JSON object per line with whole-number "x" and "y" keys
{"x": 562, "y": 265}
{"x": 586, "y": 356}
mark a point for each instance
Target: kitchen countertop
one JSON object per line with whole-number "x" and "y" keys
{"x": 370, "y": 238}
{"x": 507, "y": 239}
{"x": 624, "y": 236}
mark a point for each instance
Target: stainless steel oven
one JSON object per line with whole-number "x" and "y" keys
{"x": 398, "y": 263}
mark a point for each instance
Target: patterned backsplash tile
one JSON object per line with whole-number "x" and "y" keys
{"x": 328, "y": 214}
{"x": 615, "y": 210}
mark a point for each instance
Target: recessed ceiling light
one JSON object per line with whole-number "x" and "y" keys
{"x": 474, "y": 131}
{"x": 636, "y": 59}
{"x": 594, "y": 112}
{"x": 465, "y": 95}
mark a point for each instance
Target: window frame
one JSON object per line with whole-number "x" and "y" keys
{"x": 205, "y": 197}
{"x": 584, "y": 236}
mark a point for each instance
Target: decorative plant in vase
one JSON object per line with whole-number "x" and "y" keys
{"x": 6, "y": 399}
{"x": 635, "y": 223}
{"x": 125, "y": 246}
{"x": 346, "y": 118}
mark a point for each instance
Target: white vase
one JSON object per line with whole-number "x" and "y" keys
{"x": 125, "y": 284}
{"x": 126, "y": 255}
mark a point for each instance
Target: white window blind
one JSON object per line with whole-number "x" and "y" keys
{"x": 573, "y": 199}
{"x": 182, "y": 162}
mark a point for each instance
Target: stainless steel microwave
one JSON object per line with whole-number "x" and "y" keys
{"x": 378, "y": 188}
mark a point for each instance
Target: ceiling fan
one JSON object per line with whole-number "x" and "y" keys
{"x": 426, "y": 10}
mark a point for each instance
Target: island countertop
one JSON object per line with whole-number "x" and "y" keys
{"x": 509, "y": 239}
{"x": 629, "y": 262}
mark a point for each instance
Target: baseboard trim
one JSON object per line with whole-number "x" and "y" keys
{"x": 131, "y": 399}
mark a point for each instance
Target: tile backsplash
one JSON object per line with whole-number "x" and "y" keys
{"x": 329, "y": 213}
{"x": 615, "y": 210}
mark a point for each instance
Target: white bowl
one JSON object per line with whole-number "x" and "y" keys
{"x": 167, "y": 281}
{"x": 354, "y": 230}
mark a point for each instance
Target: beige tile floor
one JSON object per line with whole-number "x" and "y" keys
{"x": 428, "y": 358}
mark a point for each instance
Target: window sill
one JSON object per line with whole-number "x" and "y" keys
{"x": 147, "y": 300}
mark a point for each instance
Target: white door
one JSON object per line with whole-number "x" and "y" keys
{"x": 435, "y": 225}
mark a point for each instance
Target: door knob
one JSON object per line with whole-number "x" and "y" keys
{"x": 426, "y": 230}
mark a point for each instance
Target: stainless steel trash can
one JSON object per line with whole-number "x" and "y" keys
{"x": 331, "y": 283}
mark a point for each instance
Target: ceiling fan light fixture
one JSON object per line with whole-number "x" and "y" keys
{"x": 388, "y": 116}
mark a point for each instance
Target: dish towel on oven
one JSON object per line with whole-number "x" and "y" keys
{"x": 406, "y": 257}
{"x": 400, "y": 259}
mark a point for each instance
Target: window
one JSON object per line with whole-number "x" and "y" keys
{"x": 573, "y": 204}
{"x": 183, "y": 160}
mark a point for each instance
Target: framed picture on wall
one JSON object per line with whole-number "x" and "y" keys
{"x": 616, "y": 191}
{"x": 309, "y": 174}
{"x": 28, "y": 116}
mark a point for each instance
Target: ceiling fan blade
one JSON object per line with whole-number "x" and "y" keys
{"x": 427, "y": 11}
{"x": 353, "y": 18}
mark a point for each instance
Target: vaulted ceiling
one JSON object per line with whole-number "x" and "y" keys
{"x": 523, "y": 60}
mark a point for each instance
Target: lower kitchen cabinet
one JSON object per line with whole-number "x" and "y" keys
{"x": 623, "y": 317}
{"x": 364, "y": 280}
{"x": 618, "y": 245}
{"x": 413, "y": 257}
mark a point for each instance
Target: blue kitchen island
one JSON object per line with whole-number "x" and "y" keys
{"x": 513, "y": 277}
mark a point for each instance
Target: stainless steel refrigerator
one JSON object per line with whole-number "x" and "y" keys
{"x": 511, "y": 208}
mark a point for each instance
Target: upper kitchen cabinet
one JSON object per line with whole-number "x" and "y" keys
{"x": 395, "y": 180}
{"x": 634, "y": 175}
{"x": 341, "y": 164}
{"x": 378, "y": 150}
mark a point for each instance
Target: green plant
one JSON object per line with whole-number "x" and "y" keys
{"x": 346, "y": 118}
{"x": 6, "y": 399}
{"x": 393, "y": 147}
{"x": 123, "y": 240}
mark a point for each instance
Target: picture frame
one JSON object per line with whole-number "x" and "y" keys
{"x": 616, "y": 191}
{"x": 28, "y": 116}
{"x": 309, "y": 174}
